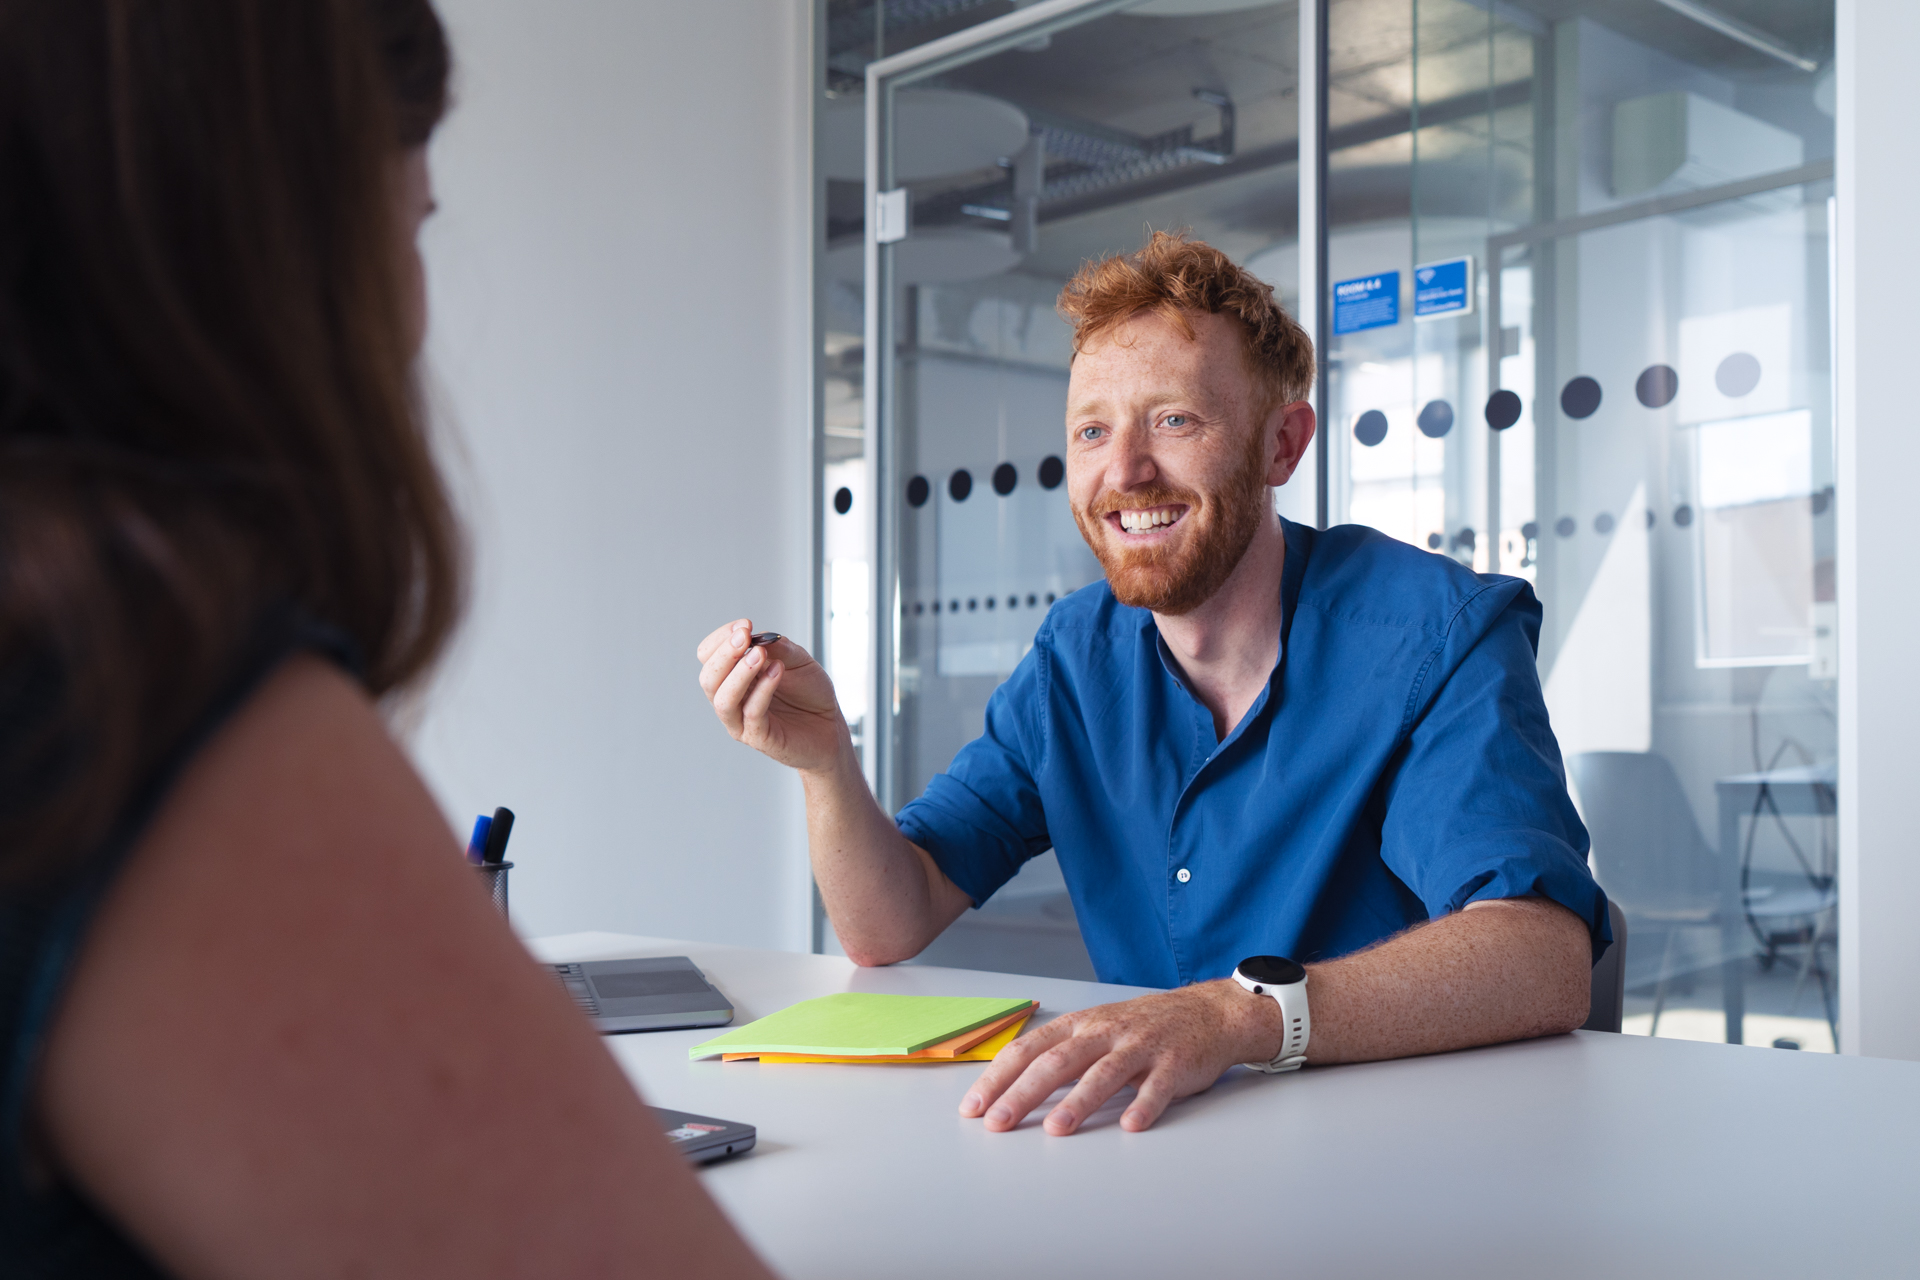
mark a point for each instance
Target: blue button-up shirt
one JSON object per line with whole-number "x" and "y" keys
{"x": 1397, "y": 766}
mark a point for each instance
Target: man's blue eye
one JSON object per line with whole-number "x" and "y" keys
{"x": 1089, "y": 433}
{"x": 1176, "y": 419}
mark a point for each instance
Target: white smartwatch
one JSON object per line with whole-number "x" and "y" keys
{"x": 1286, "y": 982}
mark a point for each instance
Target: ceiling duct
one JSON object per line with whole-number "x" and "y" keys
{"x": 1677, "y": 141}
{"x": 1084, "y": 158}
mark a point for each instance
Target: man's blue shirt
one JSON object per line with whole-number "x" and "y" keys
{"x": 1397, "y": 766}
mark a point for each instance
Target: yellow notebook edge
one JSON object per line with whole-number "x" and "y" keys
{"x": 985, "y": 1051}
{"x": 946, "y": 1051}
{"x": 717, "y": 1046}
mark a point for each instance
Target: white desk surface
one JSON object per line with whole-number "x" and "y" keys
{"x": 1581, "y": 1155}
{"x": 1800, "y": 775}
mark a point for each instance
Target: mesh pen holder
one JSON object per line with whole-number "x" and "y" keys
{"x": 494, "y": 876}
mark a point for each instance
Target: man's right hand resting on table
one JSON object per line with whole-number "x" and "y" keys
{"x": 1253, "y": 740}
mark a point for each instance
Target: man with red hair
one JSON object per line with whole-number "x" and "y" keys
{"x": 1325, "y": 752}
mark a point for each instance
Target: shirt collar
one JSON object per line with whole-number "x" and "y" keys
{"x": 1293, "y": 570}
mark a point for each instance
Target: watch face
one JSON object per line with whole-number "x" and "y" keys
{"x": 1272, "y": 971}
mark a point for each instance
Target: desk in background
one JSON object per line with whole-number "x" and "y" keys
{"x": 1806, "y": 790}
{"x": 1582, "y": 1155}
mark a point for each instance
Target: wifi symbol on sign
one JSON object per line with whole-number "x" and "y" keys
{"x": 1425, "y": 275}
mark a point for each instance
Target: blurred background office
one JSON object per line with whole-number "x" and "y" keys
{"x": 1612, "y": 298}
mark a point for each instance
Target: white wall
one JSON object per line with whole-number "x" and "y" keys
{"x": 1879, "y": 590}
{"x": 621, "y": 303}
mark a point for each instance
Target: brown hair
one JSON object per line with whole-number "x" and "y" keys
{"x": 1172, "y": 276}
{"x": 206, "y": 406}
{"x": 413, "y": 52}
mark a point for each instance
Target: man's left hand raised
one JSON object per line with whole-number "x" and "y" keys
{"x": 1169, "y": 1044}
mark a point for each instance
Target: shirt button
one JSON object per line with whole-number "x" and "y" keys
{"x": 1183, "y": 875}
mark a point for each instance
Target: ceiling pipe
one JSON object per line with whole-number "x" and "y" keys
{"x": 1734, "y": 29}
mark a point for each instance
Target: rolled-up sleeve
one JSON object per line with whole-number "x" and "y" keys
{"x": 982, "y": 818}
{"x": 1477, "y": 807}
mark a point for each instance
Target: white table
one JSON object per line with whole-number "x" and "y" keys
{"x": 1582, "y": 1155}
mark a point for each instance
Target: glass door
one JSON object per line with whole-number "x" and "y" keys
{"x": 1018, "y": 149}
{"x": 1607, "y": 369}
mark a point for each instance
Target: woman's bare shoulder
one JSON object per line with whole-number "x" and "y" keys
{"x": 299, "y": 1038}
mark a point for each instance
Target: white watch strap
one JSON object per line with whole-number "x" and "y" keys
{"x": 1292, "y": 999}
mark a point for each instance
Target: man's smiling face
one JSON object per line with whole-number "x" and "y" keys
{"x": 1169, "y": 455}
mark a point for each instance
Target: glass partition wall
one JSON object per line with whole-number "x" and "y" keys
{"x": 1578, "y": 330}
{"x": 1608, "y": 372}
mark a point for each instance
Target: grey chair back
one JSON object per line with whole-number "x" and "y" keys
{"x": 1609, "y": 1001}
{"x": 1648, "y": 853}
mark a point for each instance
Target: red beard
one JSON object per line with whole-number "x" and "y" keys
{"x": 1175, "y": 577}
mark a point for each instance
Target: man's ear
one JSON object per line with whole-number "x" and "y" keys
{"x": 1292, "y": 425}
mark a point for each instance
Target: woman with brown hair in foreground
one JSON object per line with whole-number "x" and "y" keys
{"x": 257, "y": 1018}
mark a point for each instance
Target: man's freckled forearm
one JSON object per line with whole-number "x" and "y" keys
{"x": 1468, "y": 979}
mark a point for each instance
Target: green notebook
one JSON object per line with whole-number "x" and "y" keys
{"x": 859, "y": 1023}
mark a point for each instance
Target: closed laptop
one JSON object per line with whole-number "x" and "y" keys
{"x": 656, "y": 994}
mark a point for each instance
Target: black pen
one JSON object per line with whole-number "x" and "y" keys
{"x": 497, "y": 833}
{"x": 759, "y": 638}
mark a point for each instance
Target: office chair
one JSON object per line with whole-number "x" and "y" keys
{"x": 1608, "y": 1005}
{"x": 1649, "y": 856}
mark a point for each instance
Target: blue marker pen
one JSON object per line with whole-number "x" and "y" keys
{"x": 477, "y": 842}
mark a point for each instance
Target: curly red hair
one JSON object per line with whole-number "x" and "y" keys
{"x": 1173, "y": 276}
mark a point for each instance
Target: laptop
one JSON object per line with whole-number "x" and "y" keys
{"x": 702, "y": 1138}
{"x": 657, "y": 994}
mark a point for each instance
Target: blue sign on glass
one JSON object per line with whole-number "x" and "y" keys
{"x": 1371, "y": 302}
{"x": 1443, "y": 289}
